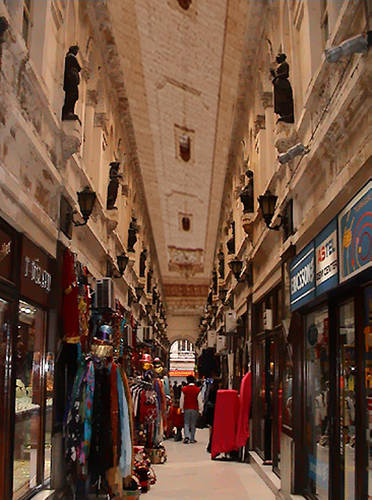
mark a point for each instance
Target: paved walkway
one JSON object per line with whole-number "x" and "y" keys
{"x": 190, "y": 474}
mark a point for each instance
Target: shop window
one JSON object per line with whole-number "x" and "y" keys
{"x": 26, "y": 22}
{"x": 347, "y": 401}
{"x": 185, "y": 4}
{"x": 317, "y": 402}
{"x": 185, "y": 147}
{"x": 186, "y": 224}
{"x": 368, "y": 377}
{"x": 29, "y": 402}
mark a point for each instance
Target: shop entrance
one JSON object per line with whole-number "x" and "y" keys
{"x": 267, "y": 417}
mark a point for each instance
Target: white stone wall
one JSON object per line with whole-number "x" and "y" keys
{"x": 42, "y": 158}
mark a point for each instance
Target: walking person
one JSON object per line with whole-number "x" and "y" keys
{"x": 191, "y": 403}
{"x": 209, "y": 408}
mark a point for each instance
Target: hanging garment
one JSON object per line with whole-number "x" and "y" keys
{"x": 73, "y": 425}
{"x": 101, "y": 454}
{"x": 86, "y": 415}
{"x": 70, "y": 299}
{"x": 125, "y": 462}
{"x": 225, "y": 422}
{"x": 115, "y": 418}
{"x": 242, "y": 431}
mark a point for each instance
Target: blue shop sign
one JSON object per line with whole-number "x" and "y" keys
{"x": 302, "y": 277}
{"x": 326, "y": 259}
{"x": 355, "y": 234}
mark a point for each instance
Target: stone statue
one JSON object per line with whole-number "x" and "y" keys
{"x": 221, "y": 264}
{"x": 142, "y": 266}
{"x": 112, "y": 190}
{"x": 214, "y": 281}
{"x": 246, "y": 195}
{"x": 283, "y": 96}
{"x": 132, "y": 234}
{"x": 71, "y": 84}
{"x": 149, "y": 280}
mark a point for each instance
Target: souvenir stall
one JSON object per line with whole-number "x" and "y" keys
{"x": 149, "y": 410}
{"x": 97, "y": 424}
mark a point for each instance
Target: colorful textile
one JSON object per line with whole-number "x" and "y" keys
{"x": 125, "y": 462}
{"x": 87, "y": 411}
{"x": 242, "y": 431}
{"x": 115, "y": 423}
{"x": 225, "y": 422}
{"x": 70, "y": 299}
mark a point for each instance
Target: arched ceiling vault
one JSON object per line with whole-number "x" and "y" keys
{"x": 182, "y": 67}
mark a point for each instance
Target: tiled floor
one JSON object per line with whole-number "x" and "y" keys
{"x": 190, "y": 474}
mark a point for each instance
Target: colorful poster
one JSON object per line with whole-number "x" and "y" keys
{"x": 355, "y": 234}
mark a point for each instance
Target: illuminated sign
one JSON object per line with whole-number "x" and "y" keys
{"x": 326, "y": 259}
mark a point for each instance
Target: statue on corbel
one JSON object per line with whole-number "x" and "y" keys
{"x": 71, "y": 84}
{"x": 283, "y": 95}
{"x": 113, "y": 187}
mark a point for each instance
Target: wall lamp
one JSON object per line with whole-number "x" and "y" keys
{"x": 356, "y": 45}
{"x": 86, "y": 200}
{"x": 236, "y": 266}
{"x": 297, "y": 150}
{"x": 122, "y": 262}
{"x": 267, "y": 204}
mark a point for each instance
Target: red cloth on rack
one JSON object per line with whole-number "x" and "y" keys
{"x": 70, "y": 299}
{"x": 242, "y": 431}
{"x": 225, "y": 421}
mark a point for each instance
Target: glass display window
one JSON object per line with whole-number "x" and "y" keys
{"x": 317, "y": 402}
{"x": 368, "y": 381}
{"x": 29, "y": 401}
{"x": 347, "y": 385}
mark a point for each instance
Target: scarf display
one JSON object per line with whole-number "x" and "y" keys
{"x": 98, "y": 428}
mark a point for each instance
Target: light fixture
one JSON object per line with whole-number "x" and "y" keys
{"x": 122, "y": 262}
{"x": 297, "y": 150}
{"x": 356, "y": 45}
{"x": 267, "y": 204}
{"x": 236, "y": 266}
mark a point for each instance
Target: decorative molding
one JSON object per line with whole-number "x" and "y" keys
{"x": 92, "y": 97}
{"x": 185, "y": 260}
{"x": 185, "y": 290}
{"x": 71, "y": 130}
{"x": 259, "y": 124}
{"x": 267, "y": 99}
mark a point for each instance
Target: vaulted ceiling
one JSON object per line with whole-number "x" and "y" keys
{"x": 182, "y": 62}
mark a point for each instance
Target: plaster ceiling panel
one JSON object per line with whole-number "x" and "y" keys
{"x": 182, "y": 68}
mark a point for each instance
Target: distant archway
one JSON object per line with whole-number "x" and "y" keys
{"x": 181, "y": 359}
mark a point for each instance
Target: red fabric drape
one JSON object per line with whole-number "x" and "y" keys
{"x": 225, "y": 421}
{"x": 242, "y": 431}
{"x": 70, "y": 300}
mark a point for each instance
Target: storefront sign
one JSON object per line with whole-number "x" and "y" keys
{"x": 302, "y": 276}
{"x": 180, "y": 373}
{"x": 326, "y": 259}
{"x": 36, "y": 278}
{"x": 34, "y": 272}
{"x": 7, "y": 244}
{"x": 355, "y": 234}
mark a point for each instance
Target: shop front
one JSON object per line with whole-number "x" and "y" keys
{"x": 26, "y": 364}
{"x": 267, "y": 375}
{"x": 330, "y": 297}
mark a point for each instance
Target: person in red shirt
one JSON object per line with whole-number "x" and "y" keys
{"x": 191, "y": 404}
